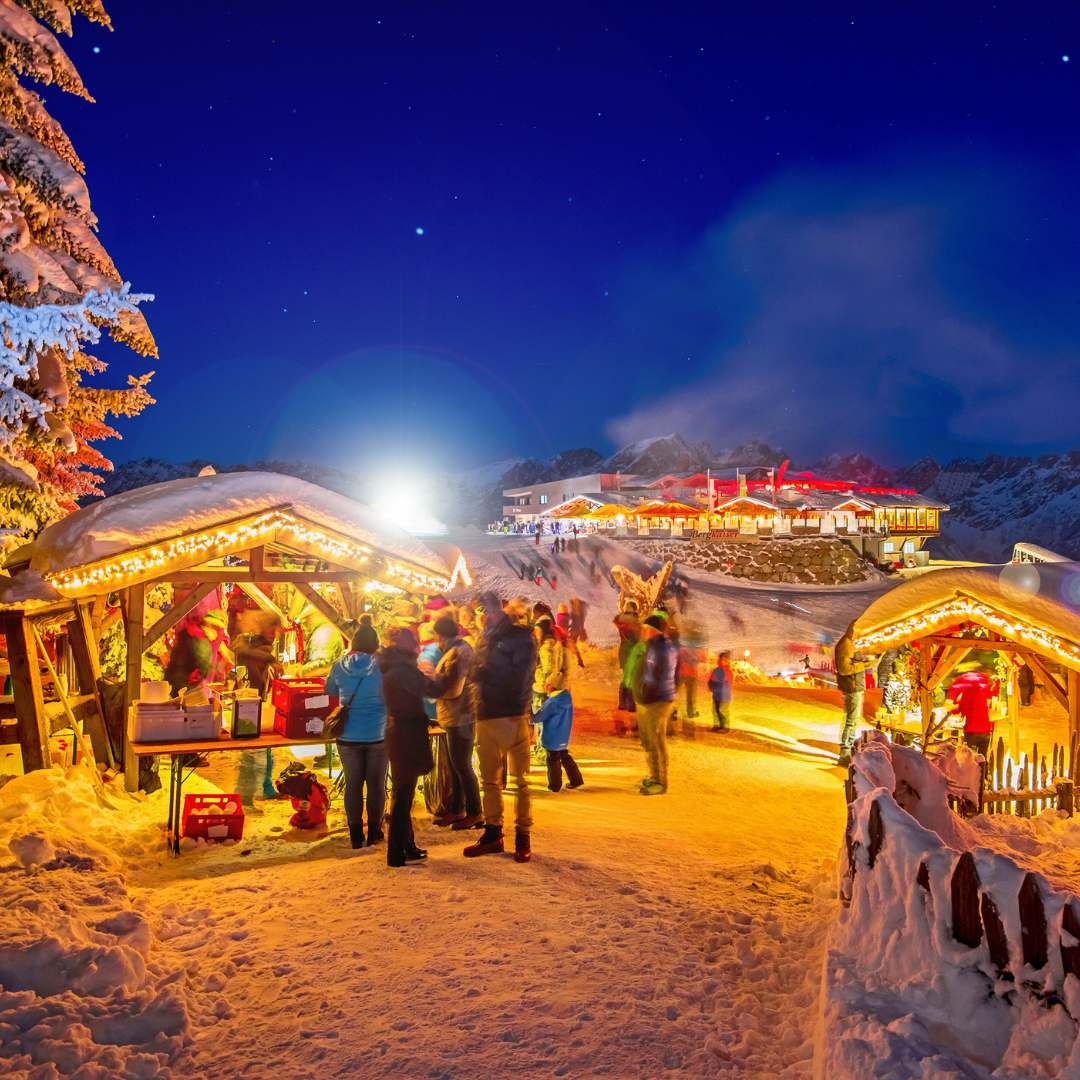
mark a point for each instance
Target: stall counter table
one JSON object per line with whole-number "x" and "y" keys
{"x": 269, "y": 740}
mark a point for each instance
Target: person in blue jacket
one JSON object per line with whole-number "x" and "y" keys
{"x": 720, "y": 682}
{"x": 356, "y": 681}
{"x": 555, "y": 719}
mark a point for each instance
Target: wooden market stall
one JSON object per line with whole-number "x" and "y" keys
{"x": 262, "y": 531}
{"x": 1029, "y": 611}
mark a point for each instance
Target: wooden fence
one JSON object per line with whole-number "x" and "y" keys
{"x": 976, "y": 913}
{"x": 1031, "y": 785}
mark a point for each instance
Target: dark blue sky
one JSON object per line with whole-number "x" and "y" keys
{"x": 833, "y": 226}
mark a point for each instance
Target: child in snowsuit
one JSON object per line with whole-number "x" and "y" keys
{"x": 720, "y": 688}
{"x": 556, "y": 716}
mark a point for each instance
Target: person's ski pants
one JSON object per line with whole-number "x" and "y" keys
{"x": 365, "y": 767}
{"x": 459, "y": 743}
{"x": 507, "y": 735}
{"x": 557, "y": 760}
{"x": 652, "y": 729}
{"x": 852, "y": 719}
{"x": 722, "y": 714}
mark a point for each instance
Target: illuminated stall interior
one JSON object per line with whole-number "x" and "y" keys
{"x": 1029, "y": 612}
{"x": 285, "y": 542}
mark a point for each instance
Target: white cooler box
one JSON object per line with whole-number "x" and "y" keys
{"x": 156, "y": 724}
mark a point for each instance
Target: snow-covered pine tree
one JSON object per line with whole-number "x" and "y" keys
{"x": 58, "y": 285}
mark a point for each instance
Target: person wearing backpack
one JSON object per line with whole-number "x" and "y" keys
{"x": 356, "y": 681}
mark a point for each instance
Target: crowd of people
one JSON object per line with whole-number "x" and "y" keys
{"x": 435, "y": 683}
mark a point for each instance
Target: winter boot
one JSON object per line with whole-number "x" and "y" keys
{"x": 446, "y": 819}
{"x": 356, "y": 835}
{"x": 415, "y": 854}
{"x": 490, "y": 843}
{"x": 652, "y": 787}
{"x": 522, "y": 847}
{"x": 469, "y": 821}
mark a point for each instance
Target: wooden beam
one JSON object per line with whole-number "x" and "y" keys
{"x": 176, "y": 613}
{"x": 29, "y": 699}
{"x": 345, "y": 595}
{"x": 133, "y": 608}
{"x": 1074, "y": 702}
{"x": 948, "y": 662}
{"x": 325, "y": 608}
{"x": 264, "y": 601}
{"x": 256, "y": 558}
{"x": 1049, "y": 681}
{"x": 84, "y": 654}
{"x": 987, "y": 644}
{"x": 267, "y": 577}
{"x": 925, "y": 700}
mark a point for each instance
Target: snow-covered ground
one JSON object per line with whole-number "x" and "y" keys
{"x": 676, "y": 932}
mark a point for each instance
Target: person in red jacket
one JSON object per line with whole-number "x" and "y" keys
{"x": 970, "y": 694}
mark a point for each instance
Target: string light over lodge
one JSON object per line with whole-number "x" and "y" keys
{"x": 282, "y": 540}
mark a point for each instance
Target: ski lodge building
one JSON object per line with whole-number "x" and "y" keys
{"x": 886, "y": 524}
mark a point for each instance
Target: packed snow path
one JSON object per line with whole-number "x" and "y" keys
{"x": 647, "y": 934}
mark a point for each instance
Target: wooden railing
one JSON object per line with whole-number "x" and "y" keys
{"x": 976, "y": 912}
{"x": 1031, "y": 785}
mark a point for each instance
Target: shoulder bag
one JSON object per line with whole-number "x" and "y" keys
{"x": 335, "y": 721}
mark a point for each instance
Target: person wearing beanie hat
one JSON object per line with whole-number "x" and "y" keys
{"x": 449, "y": 685}
{"x": 654, "y": 680}
{"x": 628, "y": 623}
{"x": 355, "y": 679}
{"x": 407, "y": 742}
{"x": 503, "y": 672}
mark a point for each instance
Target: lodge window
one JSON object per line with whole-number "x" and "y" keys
{"x": 931, "y": 519}
{"x": 543, "y": 500}
{"x": 921, "y": 518}
{"x": 524, "y": 500}
{"x": 890, "y": 517}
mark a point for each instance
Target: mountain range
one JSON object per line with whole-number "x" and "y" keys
{"x": 995, "y": 502}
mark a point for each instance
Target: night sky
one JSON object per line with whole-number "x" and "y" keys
{"x": 835, "y": 227}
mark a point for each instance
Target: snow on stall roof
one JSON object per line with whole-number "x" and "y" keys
{"x": 1046, "y": 595}
{"x": 148, "y": 515}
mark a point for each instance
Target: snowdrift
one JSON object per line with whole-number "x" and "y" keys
{"x": 945, "y": 957}
{"x": 94, "y": 983}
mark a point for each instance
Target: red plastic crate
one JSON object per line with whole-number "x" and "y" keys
{"x": 212, "y": 826}
{"x": 298, "y": 706}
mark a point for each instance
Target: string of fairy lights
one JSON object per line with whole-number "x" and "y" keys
{"x": 179, "y": 553}
{"x": 968, "y": 609}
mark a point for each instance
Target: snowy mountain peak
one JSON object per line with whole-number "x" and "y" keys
{"x": 857, "y": 468}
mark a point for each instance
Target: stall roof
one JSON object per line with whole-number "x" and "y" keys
{"x": 1037, "y": 605}
{"x": 139, "y": 519}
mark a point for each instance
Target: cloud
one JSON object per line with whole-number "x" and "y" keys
{"x": 846, "y": 327}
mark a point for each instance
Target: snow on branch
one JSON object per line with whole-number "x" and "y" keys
{"x": 29, "y": 333}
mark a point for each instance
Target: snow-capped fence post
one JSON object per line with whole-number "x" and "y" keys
{"x": 1033, "y": 923}
{"x": 1070, "y": 954}
{"x": 26, "y": 687}
{"x": 997, "y": 939}
{"x": 967, "y": 927}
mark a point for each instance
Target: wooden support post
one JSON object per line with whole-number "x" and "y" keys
{"x": 133, "y": 608}
{"x": 326, "y": 609}
{"x": 84, "y": 653}
{"x": 345, "y": 595}
{"x": 256, "y": 557}
{"x": 1074, "y": 701}
{"x": 1012, "y": 705}
{"x": 26, "y": 686}
{"x": 924, "y": 693}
